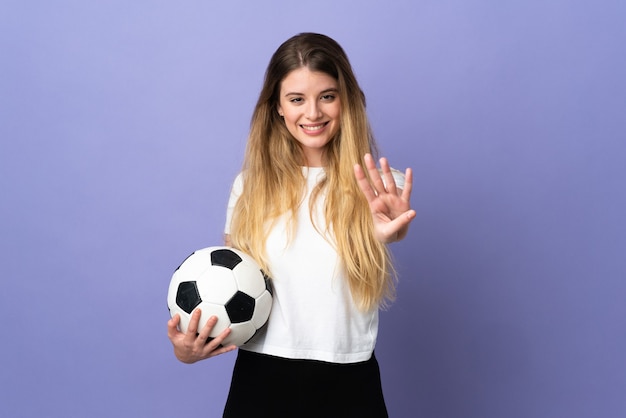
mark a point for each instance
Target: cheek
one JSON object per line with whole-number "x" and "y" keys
{"x": 336, "y": 128}
{"x": 290, "y": 120}
{"x": 336, "y": 113}
{"x": 291, "y": 125}
{"x": 337, "y": 117}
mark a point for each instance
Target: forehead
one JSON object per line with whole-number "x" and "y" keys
{"x": 303, "y": 80}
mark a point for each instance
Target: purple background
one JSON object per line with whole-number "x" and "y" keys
{"x": 122, "y": 124}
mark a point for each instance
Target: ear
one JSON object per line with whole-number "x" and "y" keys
{"x": 280, "y": 110}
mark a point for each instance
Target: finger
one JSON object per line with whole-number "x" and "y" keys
{"x": 394, "y": 226}
{"x": 222, "y": 350}
{"x": 172, "y": 327}
{"x": 205, "y": 332}
{"x": 389, "y": 181}
{"x": 226, "y": 349}
{"x": 192, "y": 328}
{"x": 214, "y": 347}
{"x": 377, "y": 181}
{"x": 364, "y": 183}
{"x": 214, "y": 343}
{"x": 408, "y": 185}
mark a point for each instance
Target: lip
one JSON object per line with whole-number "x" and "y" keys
{"x": 314, "y": 128}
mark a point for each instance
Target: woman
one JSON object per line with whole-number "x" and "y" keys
{"x": 319, "y": 223}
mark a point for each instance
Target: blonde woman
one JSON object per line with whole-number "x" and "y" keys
{"x": 311, "y": 206}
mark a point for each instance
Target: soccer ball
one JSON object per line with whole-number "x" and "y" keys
{"x": 224, "y": 282}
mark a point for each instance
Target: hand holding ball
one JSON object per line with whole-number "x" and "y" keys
{"x": 224, "y": 282}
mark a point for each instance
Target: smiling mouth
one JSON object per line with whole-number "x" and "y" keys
{"x": 314, "y": 128}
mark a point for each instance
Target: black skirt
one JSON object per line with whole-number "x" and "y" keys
{"x": 276, "y": 387}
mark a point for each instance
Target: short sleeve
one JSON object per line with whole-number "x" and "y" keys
{"x": 235, "y": 192}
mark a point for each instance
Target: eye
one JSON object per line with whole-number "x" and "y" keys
{"x": 328, "y": 97}
{"x": 296, "y": 100}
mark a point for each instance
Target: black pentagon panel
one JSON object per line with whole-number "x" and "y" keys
{"x": 225, "y": 258}
{"x": 240, "y": 307}
{"x": 187, "y": 296}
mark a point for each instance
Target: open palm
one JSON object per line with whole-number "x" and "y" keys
{"x": 390, "y": 206}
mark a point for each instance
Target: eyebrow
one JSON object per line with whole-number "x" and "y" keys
{"x": 329, "y": 90}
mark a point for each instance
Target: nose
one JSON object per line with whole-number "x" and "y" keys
{"x": 313, "y": 111}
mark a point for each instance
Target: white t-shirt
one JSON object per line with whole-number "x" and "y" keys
{"x": 313, "y": 315}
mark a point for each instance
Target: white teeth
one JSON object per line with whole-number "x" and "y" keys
{"x": 313, "y": 128}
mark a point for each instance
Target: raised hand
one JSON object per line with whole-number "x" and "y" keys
{"x": 390, "y": 206}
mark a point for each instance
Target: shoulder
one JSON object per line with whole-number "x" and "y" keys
{"x": 236, "y": 190}
{"x": 237, "y": 186}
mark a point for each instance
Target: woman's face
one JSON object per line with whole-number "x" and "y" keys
{"x": 309, "y": 102}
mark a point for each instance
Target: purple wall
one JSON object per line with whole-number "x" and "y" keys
{"x": 123, "y": 123}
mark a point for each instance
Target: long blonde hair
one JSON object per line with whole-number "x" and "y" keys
{"x": 273, "y": 183}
